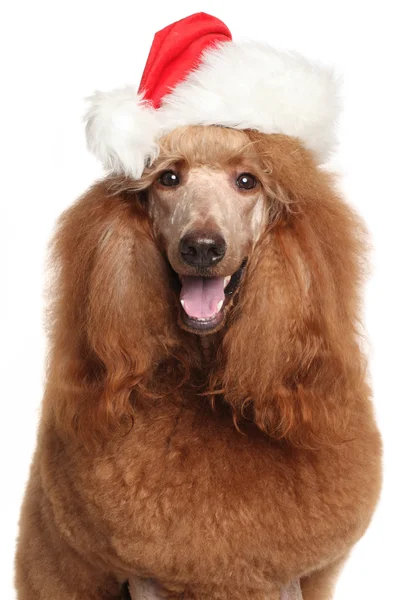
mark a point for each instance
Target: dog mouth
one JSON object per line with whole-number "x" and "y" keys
{"x": 204, "y": 300}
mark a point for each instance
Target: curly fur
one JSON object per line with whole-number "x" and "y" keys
{"x": 219, "y": 474}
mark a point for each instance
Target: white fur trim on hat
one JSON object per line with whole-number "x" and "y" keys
{"x": 239, "y": 85}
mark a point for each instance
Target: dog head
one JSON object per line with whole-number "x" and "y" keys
{"x": 234, "y": 232}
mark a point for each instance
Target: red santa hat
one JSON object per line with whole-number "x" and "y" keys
{"x": 196, "y": 75}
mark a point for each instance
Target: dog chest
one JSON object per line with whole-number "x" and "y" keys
{"x": 185, "y": 492}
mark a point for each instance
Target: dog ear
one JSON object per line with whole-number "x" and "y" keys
{"x": 291, "y": 355}
{"x": 111, "y": 316}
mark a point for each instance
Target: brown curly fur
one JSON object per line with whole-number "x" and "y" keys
{"x": 222, "y": 474}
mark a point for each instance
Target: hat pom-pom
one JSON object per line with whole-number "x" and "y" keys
{"x": 122, "y": 131}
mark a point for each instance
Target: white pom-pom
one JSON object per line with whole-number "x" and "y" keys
{"x": 122, "y": 131}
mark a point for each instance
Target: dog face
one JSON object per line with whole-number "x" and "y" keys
{"x": 208, "y": 207}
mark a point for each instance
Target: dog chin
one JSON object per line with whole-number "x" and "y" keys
{"x": 205, "y": 301}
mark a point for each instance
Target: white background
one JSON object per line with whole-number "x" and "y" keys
{"x": 56, "y": 53}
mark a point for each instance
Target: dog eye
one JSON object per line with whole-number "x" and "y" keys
{"x": 246, "y": 181}
{"x": 169, "y": 178}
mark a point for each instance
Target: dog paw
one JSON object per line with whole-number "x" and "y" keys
{"x": 292, "y": 591}
{"x": 145, "y": 589}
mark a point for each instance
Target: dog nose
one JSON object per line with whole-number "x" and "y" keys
{"x": 202, "y": 249}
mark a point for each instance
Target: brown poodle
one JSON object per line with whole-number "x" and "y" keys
{"x": 207, "y": 429}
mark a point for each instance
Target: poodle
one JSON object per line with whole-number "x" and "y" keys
{"x": 207, "y": 431}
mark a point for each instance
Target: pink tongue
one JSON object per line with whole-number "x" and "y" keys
{"x": 201, "y": 295}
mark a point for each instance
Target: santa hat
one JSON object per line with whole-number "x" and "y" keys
{"x": 196, "y": 75}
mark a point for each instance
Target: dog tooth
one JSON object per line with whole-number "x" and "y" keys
{"x": 219, "y": 305}
{"x": 183, "y": 303}
{"x": 226, "y": 281}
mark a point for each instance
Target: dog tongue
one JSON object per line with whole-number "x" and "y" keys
{"x": 201, "y": 296}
